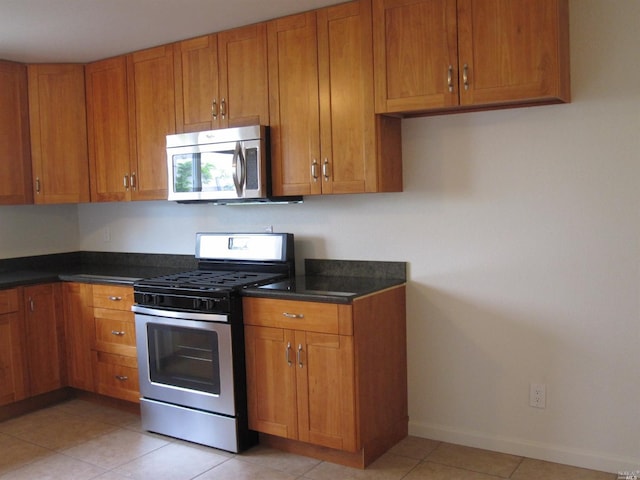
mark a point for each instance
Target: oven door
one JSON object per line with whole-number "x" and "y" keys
{"x": 185, "y": 361}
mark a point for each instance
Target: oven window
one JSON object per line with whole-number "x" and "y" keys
{"x": 184, "y": 357}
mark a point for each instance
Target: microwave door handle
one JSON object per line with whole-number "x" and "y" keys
{"x": 238, "y": 159}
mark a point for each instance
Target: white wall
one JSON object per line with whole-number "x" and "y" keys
{"x": 522, "y": 232}
{"x": 27, "y": 230}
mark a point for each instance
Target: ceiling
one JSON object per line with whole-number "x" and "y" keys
{"x": 80, "y": 31}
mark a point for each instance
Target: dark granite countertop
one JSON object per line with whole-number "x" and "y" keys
{"x": 90, "y": 267}
{"x": 330, "y": 281}
{"x": 335, "y": 281}
{"x": 325, "y": 289}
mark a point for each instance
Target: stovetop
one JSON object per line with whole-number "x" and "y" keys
{"x": 211, "y": 280}
{"x": 227, "y": 263}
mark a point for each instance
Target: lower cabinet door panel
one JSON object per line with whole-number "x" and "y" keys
{"x": 117, "y": 376}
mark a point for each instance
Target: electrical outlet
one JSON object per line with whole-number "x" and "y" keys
{"x": 537, "y": 395}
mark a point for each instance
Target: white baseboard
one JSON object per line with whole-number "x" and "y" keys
{"x": 526, "y": 448}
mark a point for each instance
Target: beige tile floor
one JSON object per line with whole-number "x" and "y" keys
{"x": 79, "y": 440}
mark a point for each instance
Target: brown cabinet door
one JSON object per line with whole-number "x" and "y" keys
{"x": 196, "y": 83}
{"x": 12, "y": 341}
{"x": 15, "y": 149}
{"x": 79, "y": 334}
{"x": 58, "y": 122}
{"x": 271, "y": 381}
{"x": 117, "y": 376}
{"x": 108, "y": 129}
{"x": 151, "y": 118}
{"x": 347, "y": 123}
{"x": 44, "y": 334}
{"x": 325, "y": 390}
{"x": 244, "y": 93}
{"x": 513, "y": 51}
{"x": 294, "y": 105}
{"x": 415, "y": 54}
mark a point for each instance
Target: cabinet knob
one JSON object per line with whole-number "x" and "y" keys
{"x": 314, "y": 170}
{"x": 292, "y": 315}
{"x": 115, "y": 299}
{"x": 223, "y": 108}
{"x": 118, "y": 333}
{"x": 122, "y": 378}
{"x": 450, "y": 78}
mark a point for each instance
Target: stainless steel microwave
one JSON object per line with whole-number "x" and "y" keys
{"x": 218, "y": 165}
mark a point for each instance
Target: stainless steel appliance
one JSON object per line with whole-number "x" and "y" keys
{"x": 230, "y": 165}
{"x": 190, "y": 338}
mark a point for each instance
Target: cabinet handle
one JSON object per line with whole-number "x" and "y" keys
{"x": 314, "y": 170}
{"x": 122, "y": 378}
{"x": 37, "y": 184}
{"x": 450, "y": 78}
{"x": 465, "y": 76}
{"x": 115, "y": 299}
{"x": 325, "y": 170}
{"x": 223, "y": 108}
{"x": 117, "y": 333}
{"x": 214, "y": 109}
{"x": 292, "y": 315}
{"x": 288, "y": 353}
{"x": 133, "y": 180}
{"x": 299, "y": 355}
{"x": 32, "y": 305}
{"x": 125, "y": 182}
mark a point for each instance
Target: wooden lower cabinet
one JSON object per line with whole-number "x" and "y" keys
{"x": 115, "y": 365}
{"x": 328, "y": 380}
{"x": 117, "y": 376}
{"x": 79, "y": 334}
{"x": 12, "y": 363}
{"x": 44, "y": 343}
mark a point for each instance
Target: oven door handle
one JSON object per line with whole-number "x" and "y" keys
{"x": 158, "y": 312}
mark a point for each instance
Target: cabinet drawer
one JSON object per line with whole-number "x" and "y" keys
{"x": 296, "y": 315}
{"x": 117, "y": 376}
{"x": 113, "y": 297}
{"x": 8, "y": 301}
{"x": 115, "y": 332}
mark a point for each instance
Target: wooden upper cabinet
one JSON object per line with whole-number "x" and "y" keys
{"x": 152, "y": 117}
{"x": 57, "y": 115}
{"x": 108, "y": 130}
{"x": 415, "y": 42}
{"x": 514, "y": 51}
{"x": 325, "y": 135}
{"x": 294, "y": 104}
{"x": 221, "y": 80}
{"x": 243, "y": 78}
{"x": 15, "y": 148}
{"x": 445, "y": 54}
{"x": 196, "y": 84}
{"x": 351, "y": 161}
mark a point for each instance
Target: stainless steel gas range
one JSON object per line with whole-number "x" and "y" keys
{"x": 190, "y": 338}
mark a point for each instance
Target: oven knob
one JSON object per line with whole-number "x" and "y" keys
{"x": 211, "y": 304}
{"x": 197, "y": 304}
{"x": 148, "y": 299}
